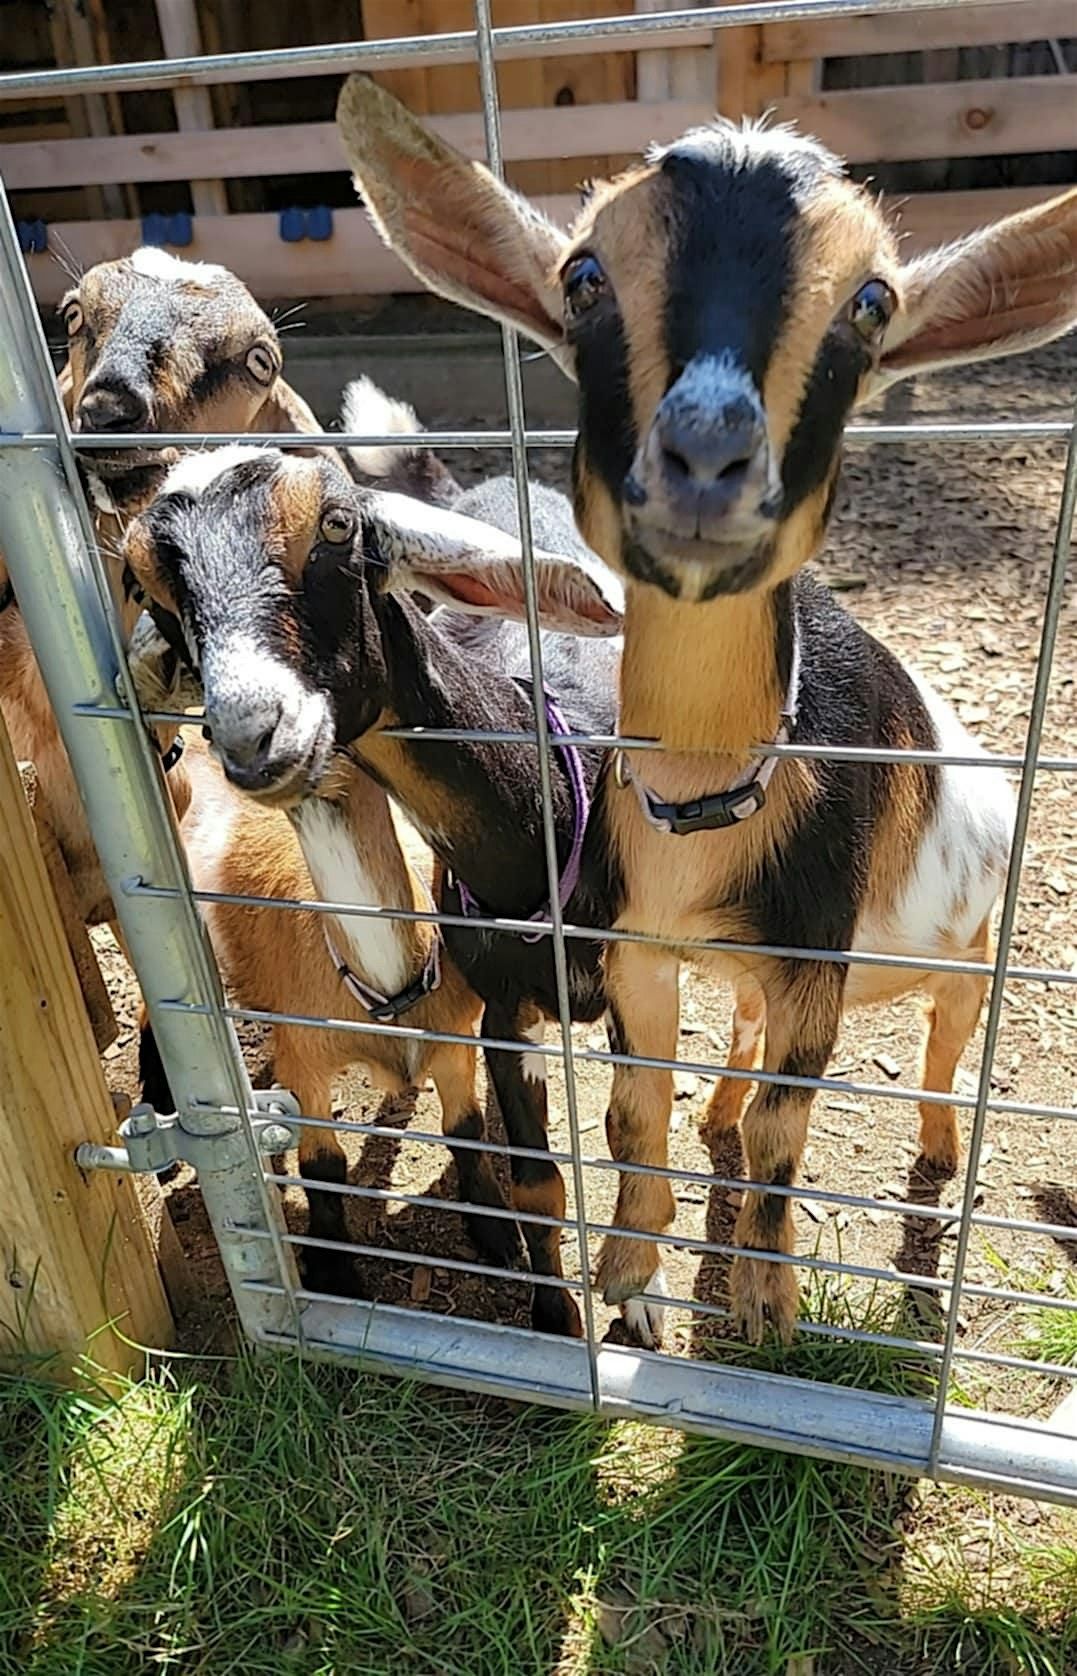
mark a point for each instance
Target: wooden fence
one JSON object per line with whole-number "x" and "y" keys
{"x": 214, "y": 152}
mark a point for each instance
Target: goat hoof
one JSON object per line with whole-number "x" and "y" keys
{"x": 496, "y": 1239}
{"x": 644, "y": 1319}
{"x": 554, "y": 1311}
{"x": 626, "y": 1267}
{"x": 761, "y": 1292}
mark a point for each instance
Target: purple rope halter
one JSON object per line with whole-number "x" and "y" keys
{"x": 581, "y": 804}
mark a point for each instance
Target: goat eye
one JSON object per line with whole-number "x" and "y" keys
{"x": 584, "y": 282}
{"x": 261, "y": 365}
{"x": 871, "y": 309}
{"x": 73, "y": 318}
{"x": 338, "y": 525}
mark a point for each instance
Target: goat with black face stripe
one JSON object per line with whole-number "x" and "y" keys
{"x": 292, "y": 586}
{"x": 723, "y": 307}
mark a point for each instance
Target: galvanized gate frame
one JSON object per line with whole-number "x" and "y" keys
{"x": 224, "y": 1128}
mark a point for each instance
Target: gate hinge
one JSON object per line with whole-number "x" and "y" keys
{"x": 154, "y": 1141}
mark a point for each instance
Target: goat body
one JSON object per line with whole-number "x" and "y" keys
{"x": 723, "y": 306}
{"x": 316, "y": 642}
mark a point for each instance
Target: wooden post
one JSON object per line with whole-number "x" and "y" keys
{"x": 95, "y": 996}
{"x": 74, "y": 1251}
{"x": 181, "y": 38}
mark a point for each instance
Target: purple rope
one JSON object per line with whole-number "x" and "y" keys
{"x": 570, "y": 878}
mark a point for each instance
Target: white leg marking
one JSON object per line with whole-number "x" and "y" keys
{"x": 534, "y": 1064}
{"x": 644, "y": 1320}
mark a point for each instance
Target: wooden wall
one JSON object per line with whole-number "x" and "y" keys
{"x": 919, "y": 101}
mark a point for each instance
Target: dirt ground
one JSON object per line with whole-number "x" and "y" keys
{"x": 943, "y": 551}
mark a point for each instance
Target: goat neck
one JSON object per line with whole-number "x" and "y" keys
{"x": 477, "y": 803}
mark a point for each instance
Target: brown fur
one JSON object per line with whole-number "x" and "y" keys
{"x": 23, "y": 697}
{"x": 279, "y": 962}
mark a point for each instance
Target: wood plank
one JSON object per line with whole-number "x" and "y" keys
{"x": 683, "y": 73}
{"x": 881, "y": 32}
{"x": 76, "y": 1254}
{"x": 182, "y": 38}
{"x": 355, "y": 262}
{"x": 95, "y": 995}
{"x": 314, "y": 147}
{"x": 951, "y": 119}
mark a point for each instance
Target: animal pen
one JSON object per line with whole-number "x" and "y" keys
{"x": 227, "y": 1130}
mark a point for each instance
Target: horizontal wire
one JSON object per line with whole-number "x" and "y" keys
{"x": 686, "y": 1242}
{"x": 779, "y": 1079}
{"x": 347, "y": 1248}
{"x": 598, "y": 934}
{"x": 947, "y": 1215}
{"x": 561, "y": 1283}
{"x": 858, "y": 1335}
{"x": 622, "y": 742}
{"x": 816, "y": 1329}
{"x": 993, "y": 430}
{"x": 420, "y": 1201}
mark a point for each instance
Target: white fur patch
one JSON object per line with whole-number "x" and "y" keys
{"x": 533, "y": 1065}
{"x": 368, "y": 410}
{"x": 711, "y": 381}
{"x": 646, "y": 1321}
{"x": 198, "y": 469}
{"x": 153, "y": 263}
{"x": 961, "y": 863}
{"x": 372, "y": 947}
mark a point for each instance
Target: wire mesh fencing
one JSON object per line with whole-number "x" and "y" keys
{"x": 907, "y": 1314}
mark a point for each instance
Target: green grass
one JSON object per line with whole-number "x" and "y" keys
{"x": 1050, "y": 1335}
{"x": 262, "y": 1515}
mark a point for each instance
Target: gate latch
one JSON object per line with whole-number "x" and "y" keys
{"x": 154, "y": 1141}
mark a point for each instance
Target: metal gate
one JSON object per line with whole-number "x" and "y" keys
{"x": 226, "y": 1131}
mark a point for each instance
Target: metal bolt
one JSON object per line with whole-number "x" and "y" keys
{"x": 274, "y": 1137}
{"x": 977, "y": 118}
{"x": 142, "y": 1121}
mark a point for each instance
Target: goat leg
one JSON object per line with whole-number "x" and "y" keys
{"x": 519, "y": 1081}
{"x": 644, "y": 1012}
{"x": 803, "y": 1014}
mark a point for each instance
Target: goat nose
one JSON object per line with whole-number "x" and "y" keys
{"x": 245, "y": 742}
{"x": 703, "y": 450}
{"x": 113, "y": 407}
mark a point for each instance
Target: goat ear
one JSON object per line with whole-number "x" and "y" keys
{"x": 1006, "y": 288}
{"x": 462, "y": 232}
{"x": 473, "y": 567}
{"x": 285, "y": 410}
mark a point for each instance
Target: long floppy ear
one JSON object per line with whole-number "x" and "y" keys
{"x": 457, "y": 228}
{"x": 285, "y": 410}
{"x": 473, "y": 567}
{"x": 1006, "y": 288}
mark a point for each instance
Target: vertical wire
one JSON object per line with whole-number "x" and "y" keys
{"x": 518, "y": 428}
{"x": 1048, "y": 636}
{"x": 20, "y": 293}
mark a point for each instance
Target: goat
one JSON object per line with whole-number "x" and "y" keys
{"x": 153, "y": 344}
{"x": 341, "y": 846}
{"x": 723, "y": 306}
{"x": 291, "y": 585}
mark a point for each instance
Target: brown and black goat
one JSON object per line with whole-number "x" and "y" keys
{"x": 153, "y": 344}
{"x": 723, "y": 307}
{"x": 292, "y": 588}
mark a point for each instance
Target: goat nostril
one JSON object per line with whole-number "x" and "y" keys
{"x": 675, "y": 463}
{"x": 735, "y": 472}
{"x": 264, "y": 744}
